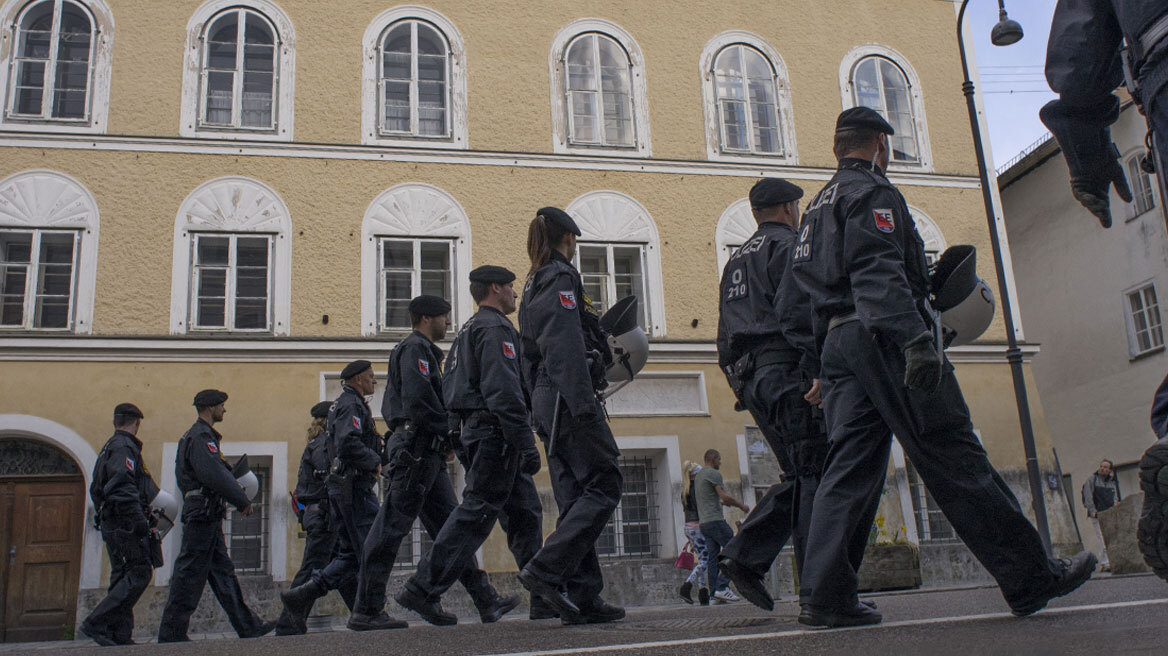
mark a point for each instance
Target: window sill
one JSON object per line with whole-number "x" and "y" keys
{"x": 236, "y": 134}
{"x": 62, "y": 126}
{"x": 1146, "y": 354}
{"x": 1140, "y": 215}
{"x": 412, "y": 141}
{"x": 567, "y": 148}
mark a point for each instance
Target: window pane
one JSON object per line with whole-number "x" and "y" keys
{"x": 436, "y": 271}
{"x": 397, "y": 254}
{"x": 432, "y": 108}
{"x": 395, "y": 66}
{"x": 212, "y": 250}
{"x": 30, "y": 82}
{"x": 257, "y": 100}
{"x": 398, "y": 285}
{"x": 617, "y": 97}
{"x": 435, "y": 256}
{"x": 583, "y": 106}
{"x": 247, "y": 537}
{"x": 221, "y": 54}
{"x": 224, "y": 35}
{"x": 219, "y": 97}
{"x": 211, "y": 292}
{"x": 593, "y": 259}
{"x": 397, "y": 315}
{"x": 628, "y": 277}
{"x": 259, "y": 58}
{"x": 430, "y": 42}
{"x": 397, "y": 106}
{"x": 258, "y": 30}
{"x": 398, "y": 39}
{"x": 734, "y": 125}
{"x": 866, "y": 85}
{"x": 898, "y": 112}
{"x": 580, "y": 67}
{"x": 15, "y": 249}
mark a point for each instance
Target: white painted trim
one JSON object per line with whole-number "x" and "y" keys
{"x": 904, "y": 494}
{"x": 748, "y": 495}
{"x": 236, "y": 205}
{"x": 612, "y": 217}
{"x": 101, "y": 71}
{"x": 699, "y": 378}
{"x": 615, "y": 162}
{"x": 371, "y": 103}
{"x": 928, "y": 229}
{"x": 280, "y": 506}
{"x": 414, "y": 209}
{"x": 916, "y": 96}
{"x": 193, "y": 63}
{"x": 641, "y": 139}
{"x": 668, "y": 452}
{"x": 66, "y": 439}
{"x": 61, "y": 202}
{"x": 790, "y": 154}
{"x": 735, "y": 226}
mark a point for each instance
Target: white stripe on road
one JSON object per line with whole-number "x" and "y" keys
{"x": 802, "y": 632}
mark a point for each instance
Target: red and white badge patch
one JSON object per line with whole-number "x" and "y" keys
{"x": 423, "y": 367}
{"x": 509, "y": 350}
{"x": 568, "y": 300}
{"x": 884, "y": 221}
{"x": 357, "y": 422}
{"x": 212, "y": 448}
{"x": 129, "y": 464}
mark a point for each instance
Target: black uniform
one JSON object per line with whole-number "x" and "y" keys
{"x": 121, "y": 492}
{"x": 862, "y": 263}
{"x": 320, "y": 536}
{"x": 207, "y": 485}
{"x": 558, "y": 328}
{"x": 419, "y": 485}
{"x": 766, "y": 347}
{"x": 483, "y": 387}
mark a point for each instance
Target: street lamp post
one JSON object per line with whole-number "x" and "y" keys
{"x": 1005, "y": 33}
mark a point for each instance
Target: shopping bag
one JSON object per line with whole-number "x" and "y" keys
{"x": 686, "y": 559}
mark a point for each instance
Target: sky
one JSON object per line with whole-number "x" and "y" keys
{"x": 1012, "y": 80}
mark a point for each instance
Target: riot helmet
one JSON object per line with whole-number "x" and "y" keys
{"x": 626, "y": 340}
{"x": 164, "y": 508}
{"x": 963, "y": 299}
{"x": 246, "y": 477}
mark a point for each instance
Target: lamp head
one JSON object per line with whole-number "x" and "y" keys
{"x": 1006, "y": 32}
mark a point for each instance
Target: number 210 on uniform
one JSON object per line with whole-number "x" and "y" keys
{"x": 738, "y": 287}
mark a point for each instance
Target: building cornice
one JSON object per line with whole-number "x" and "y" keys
{"x": 145, "y": 144}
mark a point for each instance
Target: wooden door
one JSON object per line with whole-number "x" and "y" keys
{"x": 42, "y": 520}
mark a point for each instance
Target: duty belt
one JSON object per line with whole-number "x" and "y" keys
{"x": 775, "y": 356}
{"x": 840, "y": 319}
{"x": 1152, "y": 36}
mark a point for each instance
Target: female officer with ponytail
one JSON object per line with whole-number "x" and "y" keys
{"x": 564, "y": 356}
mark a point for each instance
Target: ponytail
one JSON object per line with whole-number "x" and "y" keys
{"x": 542, "y": 238}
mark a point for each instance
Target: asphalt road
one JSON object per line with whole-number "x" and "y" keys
{"x": 1110, "y": 615}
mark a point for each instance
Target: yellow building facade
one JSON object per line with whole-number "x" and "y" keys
{"x": 240, "y": 194}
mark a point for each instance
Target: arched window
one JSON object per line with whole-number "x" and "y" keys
{"x": 735, "y": 227}
{"x": 58, "y": 72}
{"x": 881, "y": 78}
{"x": 598, "y": 90}
{"x": 930, "y": 233}
{"x": 237, "y": 83}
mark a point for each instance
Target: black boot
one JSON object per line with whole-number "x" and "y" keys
{"x": 262, "y": 630}
{"x": 541, "y": 610}
{"x": 298, "y": 601}
{"x": 378, "y": 622}
{"x": 684, "y": 592}
{"x": 550, "y": 593}
{"x": 1073, "y": 572}
{"x": 749, "y": 584}
{"x": 431, "y": 611}
{"x": 497, "y": 607}
{"x": 597, "y": 611}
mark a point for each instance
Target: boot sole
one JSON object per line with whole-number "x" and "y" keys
{"x": 1066, "y": 588}
{"x": 829, "y": 621}
{"x": 1152, "y": 532}
{"x": 550, "y": 594}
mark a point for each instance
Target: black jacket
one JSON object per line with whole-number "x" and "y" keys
{"x": 413, "y": 388}
{"x": 314, "y": 464}
{"x": 199, "y": 465}
{"x": 354, "y": 436}
{"x": 121, "y": 484}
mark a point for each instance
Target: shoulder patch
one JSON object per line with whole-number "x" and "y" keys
{"x": 509, "y": 350}
{"x": 356, "y": 422}
{"x": 212, "y": 448}
{"x": 423, "y": 367}
{"x": 568, "y": 300}
{"x": 884, "y": 220}
{"x": 130, "y": 464}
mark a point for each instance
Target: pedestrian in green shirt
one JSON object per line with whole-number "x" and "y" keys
{"x": 711, "y": 496}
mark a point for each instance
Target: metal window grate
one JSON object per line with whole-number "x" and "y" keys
{"x": 634, "y": 530}
{"x": 247, "y": 537}
{"x": 932, "y": 525}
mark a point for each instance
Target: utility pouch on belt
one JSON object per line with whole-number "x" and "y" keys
{"x": 153, "y": 543}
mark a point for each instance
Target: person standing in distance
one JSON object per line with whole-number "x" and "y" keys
{"x": 312, "y": 501}
{"x": 207, "y": 485}
{"x": 862, "y": 263}
{"x": 121, "y": 491}
{"x": 564, "y": 356}
{"x": 355, "y": 456}
{"x": 483, "y": 387}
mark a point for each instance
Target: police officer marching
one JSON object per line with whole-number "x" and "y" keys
{"x": 484, "y": 390}
{"x": 863, "y": 265}
{"x": 312, "y": 510}
{"x": 355, "y": 453}
{"x": 121, "y": 491}
{"x": 766, "y": 348}
{"x": 208, "y": 485}
{"x": 564, "y": 357}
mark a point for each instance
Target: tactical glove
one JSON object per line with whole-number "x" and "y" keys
{"x": 922, "y": 364}
{"x": 1093, "y": 193}
{"x": 529, "y": 462}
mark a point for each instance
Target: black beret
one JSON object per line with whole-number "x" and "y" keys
{"x": 355, "y": 367}
{"x": 491, "y": 274}
{"x": 127, "y": 410}
{"x": 429, "y": 306}
{"x": 560, "y": 218}
{"x": 209, "y": 398}
{"x": 862, "y": 117}
{"x": 769, "y": 192}
{"x": 320, "y": 410}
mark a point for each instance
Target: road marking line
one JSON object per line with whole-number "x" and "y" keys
{"x": 802, "y": 632}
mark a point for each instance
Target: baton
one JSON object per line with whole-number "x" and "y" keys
{"x": 555, "y": 425}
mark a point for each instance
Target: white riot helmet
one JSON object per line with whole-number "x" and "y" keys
{"x": 164, "y": 509}
{"x": 626, "y": 340}
{"x": 246, "y": 477}
{"x": 964, "y": 300}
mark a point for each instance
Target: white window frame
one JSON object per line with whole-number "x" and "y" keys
{"x": 561, "y": 128}
{"x": 714, "y": 128}
{"x": 415, "y": 275}
{"x": 238, "y": 73}
{"x": 230, "y": 289}
{"x": 232, "y": 205}
{"x": 610, "y": 217}
{"x": 40, "y": 200}
{"x": 735, "y": 227}
{"x": 610, "y": 273}
{"x": 193, "y": 99}
{"x": 372, "y": 99}
{"x": 930, "y": 233}
{"x": 413, "y": 210}
{"x": 32, "y": 278}
{"x": 666, "y": 454}
{"x": 916, "y": 98}
{"x": 1134, "y": 350}
{"x": 101, "y": 19}
{"x": 1143, "y": 188}
{"x": 262, "y": 504}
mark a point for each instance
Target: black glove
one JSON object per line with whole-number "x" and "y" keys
{"x": 922, "y": 364}
{"x": 1093, "y": 193}
{"x": 529, "y": 462}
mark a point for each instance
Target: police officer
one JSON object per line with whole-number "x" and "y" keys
{"x": 483, "y": 387}
{"x": 355, "y": 455}
{"x": 312, "y": 509}
{"x": 863, "y": 265}
{"x": 564, "y": 357}
{"x": 419, "y": 485}
{"x": 121, "y": 492}
{"x": 1084, "y": 64}
{"x": 766, "y": 348}
{"x": 207, "y": 485}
